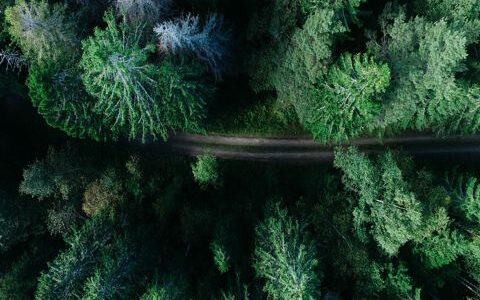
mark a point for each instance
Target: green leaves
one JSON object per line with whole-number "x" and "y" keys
{"x": 205, "y": 170}
{"x": 220, "y": 256}
{"x": 43, "y": 31}
{"x": 347, "y": 102}
{"x": 423, "y": 58}
{"x": 285, "y": 257}
{"x": 134, "y": 97}
{"x": 118, "y": 75}
{"x": 386, "y": 208}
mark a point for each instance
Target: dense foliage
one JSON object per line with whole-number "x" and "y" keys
{"x": 348, "y": 68}
{"x": 378, "y": 227}
{"x": 97, "y": 210}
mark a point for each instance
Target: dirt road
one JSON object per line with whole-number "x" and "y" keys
{"x": 304, "y": 149}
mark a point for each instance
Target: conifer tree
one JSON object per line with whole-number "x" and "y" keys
{"x": 167, "y": 288}
{"x": 117, "y": 73}
{"x": 423, "y": 58}
{"x": 114, "y": 278}
{"x": 209, "y": 43}
{"x": 205, "y": 170}
{"x": 42, "y": 30}
{"x": 386, "y": 209}
{"x": 347, "y": 102}
{"x": 285, "y": 257}
{"x": 136, "y": 98}
{"x": 462, "y": 15}
{"x": 138, "y": 11}
{"x": 67, "y": 273}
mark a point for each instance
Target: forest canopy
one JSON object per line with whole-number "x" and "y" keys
{"x": 139, "y": 149}
{"x": 140, "y": 70}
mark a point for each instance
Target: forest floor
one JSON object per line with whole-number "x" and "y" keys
{"x": 303, "y": 149}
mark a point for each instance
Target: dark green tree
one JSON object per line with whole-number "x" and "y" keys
{"x": 167, "y": 288}
{"x": 57, "y": 91}
{"x": 18, "y": 220}
{"x": 462, "y": 15}
{"x": 347, "y": 102}
{"x": 114, "y": 278}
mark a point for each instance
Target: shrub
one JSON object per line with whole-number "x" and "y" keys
{"x": 205, "y": 170}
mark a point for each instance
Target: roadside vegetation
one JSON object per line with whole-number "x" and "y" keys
{"x": 84, "y": 224}
{"x": 337, "y": 70}
{"x": 102, "y": 214}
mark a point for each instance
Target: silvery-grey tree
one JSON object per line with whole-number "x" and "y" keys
{"x": 12, "y": 60}
{"x": 144, "y": 10}
{"x": 186, "y": 35}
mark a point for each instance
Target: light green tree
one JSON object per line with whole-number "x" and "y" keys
{"x": 285, "y": 257}
{"x": 134, "y": 97}
{"x": 205, "y": 170}
{"x": 117, "y": 73}
{"x": 386, "y": 210}
{"x": 43, "y": 31}
{"x": 423, "y": 57}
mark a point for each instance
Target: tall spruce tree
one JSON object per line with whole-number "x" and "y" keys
{"x": 286, "y": 257}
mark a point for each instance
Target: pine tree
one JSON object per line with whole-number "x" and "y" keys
{"x": 423, "y": 58}
{"x": 347, "y": 104}
{"x": 184, "y": 96}
{"x": 168, "y": 288}
{"x": 43, "y": 31}
{"x": 462, "y": 15}
{"x": 134, "y": 97}
{"x": 220, "y": 256}
{"x": 117, "y": 73}
{"x": 285, "y": 257}
{"x": 138, "y": 11}
{"x": 57, "y": 91}
{"x": 67, "y": 273}
{"x": 184, "y": 35}
{"x": 386, "y": 209}
{"x": 114, "y": 278}
{"x": 306, "y": 59}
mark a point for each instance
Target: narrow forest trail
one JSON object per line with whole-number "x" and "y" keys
{"x": 304, "y": 149}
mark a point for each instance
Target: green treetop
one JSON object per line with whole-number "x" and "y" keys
{"x": 205, "y": 170}
{"x": 43, "y": 31}
{"x": 285, "y": 257}
{"x": 346, "y": 104}
{"x": 462, "y": 15}
{"x": 423, "y": 58}
{"x": 118, "y": 74}
{"x": 386, "y": 208}
{"x": 137, "y": 98}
